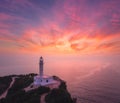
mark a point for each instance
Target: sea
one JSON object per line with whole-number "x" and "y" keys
{"x": 90, "y": 80}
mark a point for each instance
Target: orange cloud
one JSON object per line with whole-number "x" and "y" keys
{"x": 66, "y": 27}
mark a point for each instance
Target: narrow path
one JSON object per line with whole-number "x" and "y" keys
{"x": 42, "y": 99}
{"x": 29, "y": 88}
{"x": 5, "y": 93}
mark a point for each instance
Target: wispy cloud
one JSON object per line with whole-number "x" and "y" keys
{"x": 74, "y": 26}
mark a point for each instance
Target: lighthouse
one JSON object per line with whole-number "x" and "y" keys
{"x": 41, "y": 66}
{"x": 41, "y": 79}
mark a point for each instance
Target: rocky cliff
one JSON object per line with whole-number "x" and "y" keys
{"x": 13, "y": 90}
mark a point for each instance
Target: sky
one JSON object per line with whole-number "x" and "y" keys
{"x": 59, "y": 30}
{"x": 60, "y": 26}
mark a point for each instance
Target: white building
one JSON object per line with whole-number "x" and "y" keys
{"x": 41, "y": 79}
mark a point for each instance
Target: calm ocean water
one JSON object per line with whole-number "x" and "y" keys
{"x": 101, "y": 87}
{"x": 93, "y": 84}
{"x": 89, "y": 81}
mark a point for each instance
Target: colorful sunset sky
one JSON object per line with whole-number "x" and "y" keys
{"x": 60, "y": 26}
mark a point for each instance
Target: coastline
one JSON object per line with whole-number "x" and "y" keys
{"x": 17, "y": 92}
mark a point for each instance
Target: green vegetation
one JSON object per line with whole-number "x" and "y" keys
{"x": 20, "y": 83}
{"x": 4, "y": 83}
{"x": 17, "y": 94}
{"x": 59, "y": 95}
{"x": 63, "y": 85}
{"x": 21, "y": 96}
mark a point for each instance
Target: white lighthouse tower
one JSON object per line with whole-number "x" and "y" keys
{"x": 41, "y": 66}
{"x": 42, "y": 79}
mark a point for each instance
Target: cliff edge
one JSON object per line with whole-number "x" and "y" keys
{"x": 20, "y": 89}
